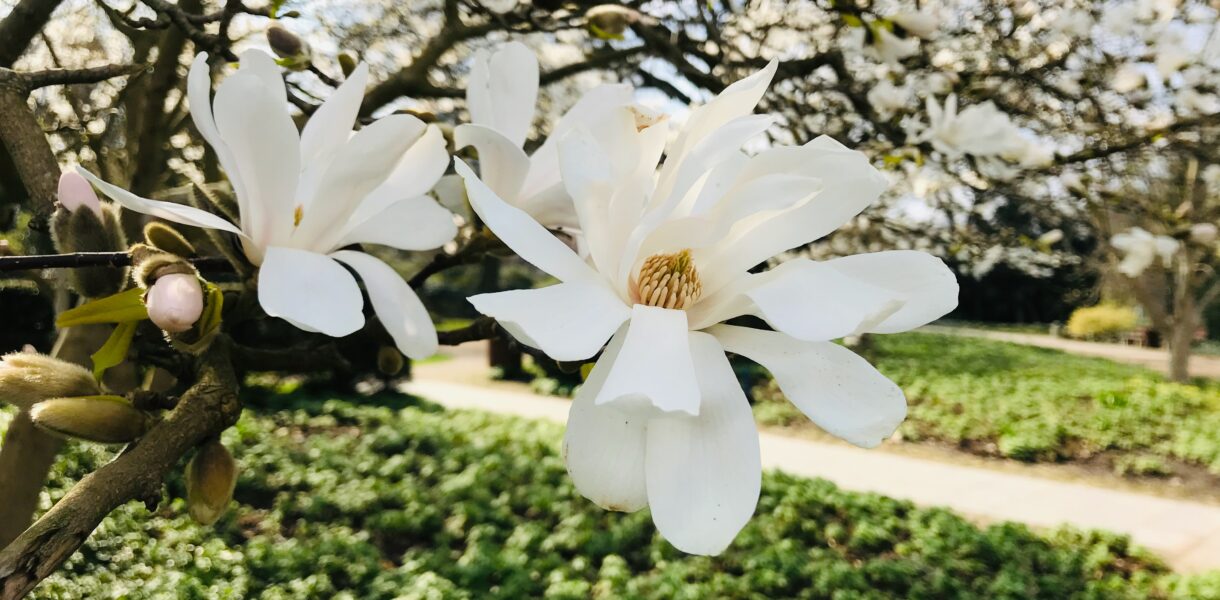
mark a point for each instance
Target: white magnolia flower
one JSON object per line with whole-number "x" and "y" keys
{"x": 662, "y": 421}
{"x": 891, "y": 49}
{"x": 501, "y": 95}
{"x": 922, "y": 24}
{"x": 1128, "y": 77}
{"x": 887, "y": 98}
{"x": 1072, "y": 22}
{"x": 981, "y": 130}
{"x": 1204, "y": 233}
{"x": 303, "y": 196}
{"x": 1141, "y": 248}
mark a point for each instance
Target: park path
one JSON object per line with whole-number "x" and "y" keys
{"x": 1185, "y": 534}
{"x": 1152, "y": 358}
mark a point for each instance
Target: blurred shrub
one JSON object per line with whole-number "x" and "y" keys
{"x": 401, "y": 500}
{"x": 1101, "y": 321}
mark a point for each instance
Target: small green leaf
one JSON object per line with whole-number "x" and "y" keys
{"x": 602, "y": 34}
{"x": 119, "y": 308}
{"x": 214, "y": 303}
{"x": 115, "y": 349}
{"x": 853, "y": 21}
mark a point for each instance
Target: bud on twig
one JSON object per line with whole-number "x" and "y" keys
{"x": 166, "y": 238}
{"x": 151, "y": 264}
{"x": 81, "y": 223}
{"x": 347, "y": 62}
{"x": 102, "y": 419}
{"x": 389, "y": 361}
{"x": 28, "y": 378}
{"x": 175, "y": 302}
{"x": 610, "y": 21}
{"x": 288, "y": 46}
{"x": 210, "y": 478}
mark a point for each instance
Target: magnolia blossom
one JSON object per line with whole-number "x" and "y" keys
{"x": 922, "y": 24}
{"x": 891, "y": 49}
{"x": 303, "y": 196}
{"x": 501, "y": 94}
{"x": 981, "y": 130}
{"x": 1141, "y": 248}
{"x": 662, "y": 421}
{"x": 75, "y": 192}
{"x": 887, "y": 98}
{"x": 1204, "y": 233}
{"x": 1127, "y": 78}
{"x": 175, "y": 302}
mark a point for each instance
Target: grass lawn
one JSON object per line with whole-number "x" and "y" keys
{"x": 391, "y": 498}
{"x": 1032, "y": 404}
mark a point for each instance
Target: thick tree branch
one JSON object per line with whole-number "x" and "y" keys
{"x": 27, "y": 145}
{"x": 40, "y": 79}
{"x": 208, "y": 408}
{"x": 97, "y": 259}
{"x": 483, "y": 328}
{"x": 18, "y": 29}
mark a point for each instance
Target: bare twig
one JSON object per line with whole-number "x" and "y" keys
{"x": 96, "y": 259}
{"x": 40, "y": 79}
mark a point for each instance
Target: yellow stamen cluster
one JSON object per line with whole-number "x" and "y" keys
{"x": 669, "y": 281}
{"x": 297, "y": 214}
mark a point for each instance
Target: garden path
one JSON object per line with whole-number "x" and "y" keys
{"x": 1152, "y": 358}
{"x": 1186, "y": 534}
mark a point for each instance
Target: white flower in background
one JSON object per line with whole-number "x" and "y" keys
{"x": 501, "y": 94}
{"x": 923, "y": 24}
{"x": 891, "y": 49}
{"x": 303, "y": 196}
{"x": 1119, "y": 19}
{"x": 1159, "y": 10}
{"x": 1141, "y": 248}
{"x": 1031, "y": 153}
{"x": 887, "y": 98}
{"x": 940, "y": 82}
{"x": 1072, "y": 22}
{"x": 662, "y": 421}
{"x": 1051, "y": 237}
{"x": 1171, "y": 55}
{"x": 1204, "y": 233}
{"x": 1192, "y": 101}
{"x": 1127, "y": 78}
{"x": 981, "y": 130}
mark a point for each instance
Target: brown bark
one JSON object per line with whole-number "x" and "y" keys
{"x": 27, "y": 145}
{"x": 21, "y": 25}
{"x": 206, "y": 409}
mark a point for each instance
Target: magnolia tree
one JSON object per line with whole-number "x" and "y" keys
{"x": 689, "y": 180}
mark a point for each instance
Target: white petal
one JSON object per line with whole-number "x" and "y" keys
{"x": 603, "y": 446}
{"x": 260, "y": 64}
{"x": 265, "y": 145}
{"x": 813, "y": 301}
{"x": 362, "y": 165}
{"x": 568, "y": 321}
{"x": 170, "y": 211}
{"x": 531, "y": 241}
{"x": 503, "y": 90}
{"x": 199, "y": 90}
{"x": 330, "y": 126}
{"x": 654, "y": 373}
{"x": 417, "y": 223}
{"x": 396, "y": 305}
{"x": 418, "y": 171}
{"x": 849, "y": 185}
{"x": 704, "y": 473}
{"x": 832, "y": 385}
{"x": 502, "y": 164}
{"x": 544, "y": 163}
{"x": 737, "y": 100}
{"x": 310, "y": 290}
{"x": 925, "y": 285}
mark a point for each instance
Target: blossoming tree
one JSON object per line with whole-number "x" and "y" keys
{"x": 685, "y": 173}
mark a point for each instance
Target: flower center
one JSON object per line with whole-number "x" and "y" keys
{"x": 668, "y": 281}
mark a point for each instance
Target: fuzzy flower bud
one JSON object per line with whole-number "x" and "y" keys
{"x": 102, "y": 419}
{"x": 167, "y": 239}
{"x": 287, "y": 45}
{"x": 175, "y": 302}
{"x": 1203, "y": 233}
{"x": 75, "y": 192}
{"x": 347, "y": 62}
{"x": 27, "y": 378}
{"x": 210, "y": 478}
{"x": 610, "y": 21}
{"x": 389, "y": 361}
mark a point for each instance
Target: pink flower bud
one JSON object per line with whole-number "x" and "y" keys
{"x": 75, "y": 192}
{"x": 175, "y": 302}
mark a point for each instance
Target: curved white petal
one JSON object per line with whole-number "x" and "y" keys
{"x": 396, "y": 305}
{"x": 833, "y": 386}
{"x": 502, "y": 164}
{"x": 417, "y": 223}
{"x": 544, "y": 163}
{"x": 170, "y": 211}
{"x": 260, "y": 64}
{"x": 704, "y": 473}
{"x": 551, "y": 207}
{"x": 737, "y": 100}
{"x": 531, "y": 241}
{"x": 925, "y": 285}
{"x": 849, "y": 185}
{"x": 253, "y": 120}
{"x": 418, "y": 172}
{"x": 503, "y": 90}
{"x": 362, "y": 165}
{"x": 816, "y": 302}
{"x": 329, "y": 127}
{"x": 568, "y": 321}
{"x": 654, "y": 373}
{"x": 311, "y": 290}
{"x": 603, "y": 446}
{"x": 199, "y": 90}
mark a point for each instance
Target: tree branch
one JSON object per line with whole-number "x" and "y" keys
{"x": 18, "y": 29}
{"x": 39, "y": 79}
{"x": 97, "y": 259}
{"x": 138, "y": 473}
{"x": 483, "y": 328}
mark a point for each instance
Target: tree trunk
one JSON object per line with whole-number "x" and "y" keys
{"x": 1181, "y": 340}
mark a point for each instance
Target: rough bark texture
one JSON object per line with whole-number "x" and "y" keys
{"x": 208, "y": 408}
{"x": 21, "y": 25}
{"x": 27, "y": 145}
